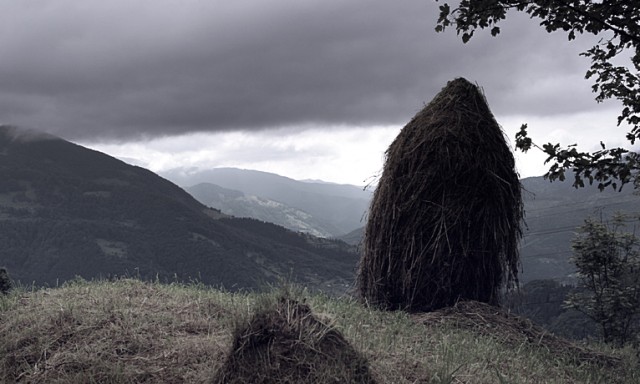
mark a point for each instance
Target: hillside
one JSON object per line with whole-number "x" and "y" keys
{"x": 133, "y": 332}
{"x": 337, "y": 208}
{"x": 238, "y": 204}
{"x": 66, "y": 210}
{"x": 554, "y": 211}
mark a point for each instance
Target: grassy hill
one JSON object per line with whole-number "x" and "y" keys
{"x": 129, "y": 331}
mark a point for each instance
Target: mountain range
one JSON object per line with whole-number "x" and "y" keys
{"x": 554, "y": 211}
{"x": 239, "y": 204}
{"x": 66, "y": 210}
{"x": 319, "y": 208}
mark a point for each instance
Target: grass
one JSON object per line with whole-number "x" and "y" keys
{"x": 129, "y": 331}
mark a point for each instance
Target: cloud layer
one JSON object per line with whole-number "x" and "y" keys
{"x": 120, "y": 70}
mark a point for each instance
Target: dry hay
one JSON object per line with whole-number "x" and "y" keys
{"x": 444, "y": 222}
{"x": 512, "y": 330}
{"x": 111, "y": 332}
{"x": 288, "y": 344}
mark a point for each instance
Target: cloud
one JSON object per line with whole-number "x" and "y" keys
{"x": 121, "y": 70}
{"x": 343, "y": 154}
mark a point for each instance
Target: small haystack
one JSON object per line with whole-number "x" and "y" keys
{"x": 444, "y": 223}
{"x": 288, "y": 344}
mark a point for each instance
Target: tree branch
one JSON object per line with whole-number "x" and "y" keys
{"x": 607, "y": 25}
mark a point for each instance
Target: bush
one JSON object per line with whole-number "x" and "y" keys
{"x": 5, "y": 281}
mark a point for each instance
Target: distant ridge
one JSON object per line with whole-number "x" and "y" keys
{"x": 338, "y": 208}
{"x": 238, "y": 204}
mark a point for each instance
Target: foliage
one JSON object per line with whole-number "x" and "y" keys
{"x": 608, "y": 262}
{"x": 445, "y": 219}
{"x": 617, "y": 23}
{"x": 5, "y": 281}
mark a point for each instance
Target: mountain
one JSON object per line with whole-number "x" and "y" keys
{"x": 354, "y": 237}
{"x": 66, "y": 210}
{"x": 336, "y": 208}
{"x": 238, "y": 204}
{"x": 553, "y": 213}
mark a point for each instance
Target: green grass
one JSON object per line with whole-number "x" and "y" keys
{"x": 129, "y": 331}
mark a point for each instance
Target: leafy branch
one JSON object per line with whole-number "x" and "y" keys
{"x": 618, "y": 22}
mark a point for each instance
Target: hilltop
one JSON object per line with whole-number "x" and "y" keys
{"x": 128, "y": 331}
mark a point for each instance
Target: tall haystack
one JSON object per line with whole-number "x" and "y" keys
{"x": 288, "y": 344}
{"x": 445, "y": 219}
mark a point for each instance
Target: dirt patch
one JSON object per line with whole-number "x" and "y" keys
{"x": 512, "y": 330}
{"x": 288, "y": 344}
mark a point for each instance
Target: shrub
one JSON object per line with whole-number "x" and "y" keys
{"x": 5, "y": 281}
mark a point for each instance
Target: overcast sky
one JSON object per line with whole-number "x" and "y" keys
{"x": 307, "y": 89}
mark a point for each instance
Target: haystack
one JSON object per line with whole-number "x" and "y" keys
{"x": 288, "y": 344}
{"x": 445, "y": 219}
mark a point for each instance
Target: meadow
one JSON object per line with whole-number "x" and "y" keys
{"x": 130, "y": 331}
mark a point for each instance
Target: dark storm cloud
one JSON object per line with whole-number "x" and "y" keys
{"x": 117, "y": 70}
